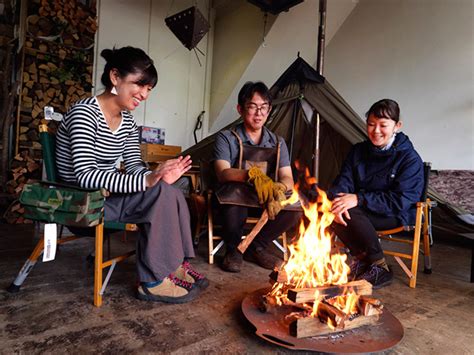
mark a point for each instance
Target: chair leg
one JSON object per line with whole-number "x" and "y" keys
{"x": 98, "y": 265}
{"x": 210, "y": 231}
{"x": 27, "y": 267}
{"x": 472, "y": 260}
{"x": 426, "y": 240}
{"x": 416, "y": 246}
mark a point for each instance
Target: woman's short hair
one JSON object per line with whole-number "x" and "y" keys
{"x": 250, "y": 88}
{"x": 129, "y": 60}
{"x": 385, "y": 108}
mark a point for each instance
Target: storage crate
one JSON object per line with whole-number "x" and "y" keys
{"x": 159, "y": 152}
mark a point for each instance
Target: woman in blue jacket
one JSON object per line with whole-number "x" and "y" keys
{"x": 377, "y": 188}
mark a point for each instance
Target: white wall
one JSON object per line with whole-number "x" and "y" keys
{"x": 238, "y": 35}
{"x": 182, "y": 91}
{"x": 292, "y": 32}
{"x": 419, "y": 53}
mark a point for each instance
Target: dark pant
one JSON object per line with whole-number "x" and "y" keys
{"x": 233, "y": 219}
{"x": 360, "y": 235}
{"x": 162, "y": 214}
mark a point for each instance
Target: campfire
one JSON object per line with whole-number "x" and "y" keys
{"x": 313, "y": 285}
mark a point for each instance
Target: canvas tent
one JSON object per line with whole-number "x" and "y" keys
{"x": 298, "y": 94}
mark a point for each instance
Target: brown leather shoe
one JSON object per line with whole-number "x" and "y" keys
{"x": 263, "y": 258}
{"x": 232, "y": 261}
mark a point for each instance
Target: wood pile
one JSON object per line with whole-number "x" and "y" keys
{"x": 338, "y": 308}
{"x": 25, "y": 169}
{"x": 57, "y": 71}
{"x": 303, "y": 325}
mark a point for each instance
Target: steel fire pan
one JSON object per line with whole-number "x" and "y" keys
{"x": 384, "y": 335}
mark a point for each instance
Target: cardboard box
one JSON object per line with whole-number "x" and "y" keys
{"x": 152, "y": 135}
{"x": 159, "y": 152}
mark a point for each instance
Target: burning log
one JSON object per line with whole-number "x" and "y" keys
{"x": 330, "y": 319}
{"x": 242, "y": 247}
{"x": 369, "y": 306}
{"x": 331, "y": 315}
{"x": 318, "y": 310}
{"x": 279, "y": 276}
{"x": 305, "y": 295}
{"x": 268, "y": 304}
{"x": 309, "y": 326}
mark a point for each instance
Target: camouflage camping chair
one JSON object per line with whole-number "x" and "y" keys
{"x": 73, "y": 207}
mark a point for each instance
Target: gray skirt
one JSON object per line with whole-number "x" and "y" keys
{"x": 162, "y": 215}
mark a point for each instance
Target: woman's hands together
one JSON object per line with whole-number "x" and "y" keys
{"x": 341, "y": 206}
{"x": 169, "y": 171}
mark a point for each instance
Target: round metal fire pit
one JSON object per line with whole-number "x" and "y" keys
{"x": 271, "y": 326}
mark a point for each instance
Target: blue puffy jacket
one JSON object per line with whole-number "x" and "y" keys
{"x": 387, "y": 182}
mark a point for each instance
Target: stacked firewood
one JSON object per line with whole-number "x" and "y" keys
{"x": 69, "y": 19}
{"x": 58, "y": 61}
{"x": 25, "y": 169}
{"x": 57, "y": 71}
{"x": 46, "y": 84}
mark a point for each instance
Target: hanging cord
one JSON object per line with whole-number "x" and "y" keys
{"x": 196, "y": 50}
{"x": 265, "y": 18}
{"x": 198, "y": 125}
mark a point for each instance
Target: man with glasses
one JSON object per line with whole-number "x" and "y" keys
{"x": 247, "y": 145}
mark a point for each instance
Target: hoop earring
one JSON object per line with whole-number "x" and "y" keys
{"x": 114, "y": 91}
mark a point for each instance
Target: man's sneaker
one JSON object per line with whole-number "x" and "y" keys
{"x": 170, "y": 290}
{"x": 187, "y": 273}
{"x": 263, "y": 258}
{"x": 377, "y": 276}
{"x": 358, "y": 268}
{"x": 232, "y": 261}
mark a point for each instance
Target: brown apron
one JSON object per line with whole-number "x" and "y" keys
{"x": 243, "y": 193}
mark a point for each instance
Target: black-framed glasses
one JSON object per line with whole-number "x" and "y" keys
{"x": 253, "y": 108}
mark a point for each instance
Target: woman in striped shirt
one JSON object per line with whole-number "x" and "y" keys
{"x": 98, "y": 131}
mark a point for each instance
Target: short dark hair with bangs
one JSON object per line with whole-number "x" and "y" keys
{"x": 250, "y": 88}
{"x": 385, "y": 108}
{"x": 129, "y": 60}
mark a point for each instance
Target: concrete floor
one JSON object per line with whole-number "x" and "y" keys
{"x": 53, "y": 313}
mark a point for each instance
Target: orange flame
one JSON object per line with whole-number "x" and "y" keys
{"x": 346, "y": 303}
{"x": 312, "y": 261}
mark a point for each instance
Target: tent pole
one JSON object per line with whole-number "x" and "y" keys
{"x": 321, "y": 36}
{"x": 319, "y": 68}
{"x": 293, "y": 124}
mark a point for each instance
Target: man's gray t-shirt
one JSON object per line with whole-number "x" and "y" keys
{"x": 226, "y": 146}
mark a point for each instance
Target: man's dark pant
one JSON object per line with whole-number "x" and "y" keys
{"x": 360, "y": 235}
{"x": 233, "y": 219}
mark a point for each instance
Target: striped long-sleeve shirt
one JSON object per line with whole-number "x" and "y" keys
{"x": 87, "y": 151}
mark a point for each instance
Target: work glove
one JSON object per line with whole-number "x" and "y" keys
{"x": 263, "y": 185}
{"x": 274, "y": 206}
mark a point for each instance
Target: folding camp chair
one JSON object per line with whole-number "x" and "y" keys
{"x": 47, "y": 139}
{"x": 421, "y": 227}
{"x": 207, "y": 179}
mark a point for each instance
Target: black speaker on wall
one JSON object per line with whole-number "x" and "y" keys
{"x": 189, "y": 26}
